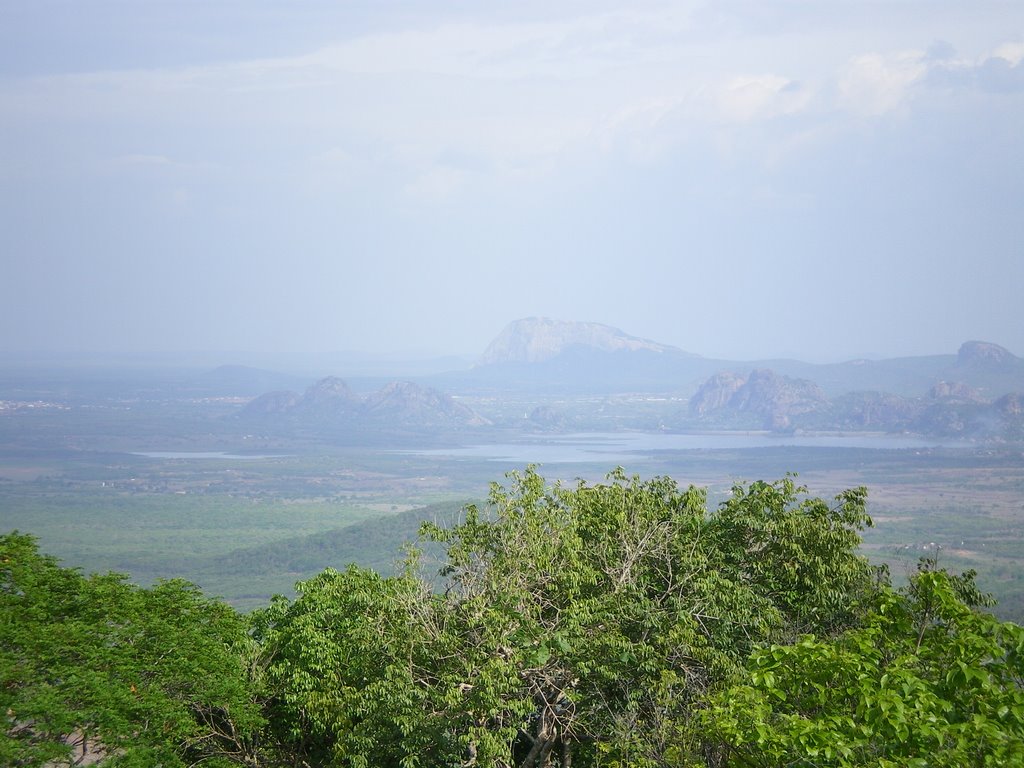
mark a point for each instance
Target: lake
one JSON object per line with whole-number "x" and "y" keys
{"x": 630, "y": 447}
{"x": 203, "y": 455}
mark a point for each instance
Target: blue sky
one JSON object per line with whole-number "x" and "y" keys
{"x": 739, "y": 179}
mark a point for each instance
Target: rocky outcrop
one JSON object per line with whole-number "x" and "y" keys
{"x": 774, "y": 399}
{"x": 1010, "y": 406}
{"x": 873, "y": 411}
{"x": 984, "y": 354}
{"x": 545, "y": 417}
{"x": 536, "y": 339}
{"x": 329, "y": 398}
{"x": 332, "y": 403}
{"x": 271, "y": 403}
{"x": 956, "y": 390}
{"x": 715, "y": 393}
{"x": 404, "y": 402}
{"x": 1002, "y": 420}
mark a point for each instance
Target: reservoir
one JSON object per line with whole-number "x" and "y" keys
{"x": 203, "y": 455}
{"x": 629, "y": 447}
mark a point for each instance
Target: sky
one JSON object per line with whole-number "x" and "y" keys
{"x": 741, "y": 179}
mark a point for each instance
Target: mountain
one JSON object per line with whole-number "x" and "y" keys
{"x": 330, "y": 399}
{"x": 988, "y": 368}
{"x": 772, "y": 399}
{"x": 541, "y": 355}
{"x": 983, "y": 354}
{"x": 537, "y": 339}
{"x": 535, "y": 355}
{"x": 331, "y": 403}
{"x": 407, "y": 403}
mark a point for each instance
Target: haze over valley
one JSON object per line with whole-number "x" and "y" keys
{"x": 246, "y": 479}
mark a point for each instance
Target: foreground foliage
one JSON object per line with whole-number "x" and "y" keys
{"x": 617, "y": 624}
{"x": 145, "y": 676}
{"x": 925, "y": 681}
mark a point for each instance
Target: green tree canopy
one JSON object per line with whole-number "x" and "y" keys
{"x": 573, "y": 622}
{"x": 145, "y": 676}
{"x": 925, "y": 680}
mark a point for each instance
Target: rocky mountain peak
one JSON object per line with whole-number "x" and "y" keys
{"x": 329, "y": 389}
{"x": 716, "y": 392}
{"x": 406, "y": 401}
{"x": 773, "y": 398}
{"x": 536, "y": 339}
{"x": 984, "y": 353}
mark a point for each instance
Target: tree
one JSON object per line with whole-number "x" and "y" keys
{"x": 582, "y": 622}
{"x": 144, "y": 676}
{"x": 927, "y": 680}
{"x": 351, "y": 666}
{"x": 612, "y": 607}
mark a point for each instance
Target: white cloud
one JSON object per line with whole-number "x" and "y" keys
{"x": 1011, "y": 52}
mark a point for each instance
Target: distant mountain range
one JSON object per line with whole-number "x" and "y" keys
{"x": 560, "y": 355}
{"x": 535, "y": 362}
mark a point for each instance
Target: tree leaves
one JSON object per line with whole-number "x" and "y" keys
{"x": 94, "y": 660}
{"x": 925, "y": 680}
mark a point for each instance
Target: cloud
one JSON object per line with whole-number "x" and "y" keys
{"x": 999, "y": 75}
{"x": 1012, "y": 53}
{"x": 999, "y": 71}
{"x": 522, "y": 99}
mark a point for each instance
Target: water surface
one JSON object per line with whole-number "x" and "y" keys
{"x": 629, "y": 447}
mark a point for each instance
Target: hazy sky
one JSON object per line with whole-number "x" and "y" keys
{"x": 740, "y": 179}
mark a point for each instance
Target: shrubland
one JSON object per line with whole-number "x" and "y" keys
{"x": 620, "y": 623}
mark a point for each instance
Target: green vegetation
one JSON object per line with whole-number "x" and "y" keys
{"x": 923, "y": 681}
{"x": 619, "y": 623}
{"x": 98, "y": 666}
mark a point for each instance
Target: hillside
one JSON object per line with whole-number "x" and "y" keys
{"x": 274, "y": 568}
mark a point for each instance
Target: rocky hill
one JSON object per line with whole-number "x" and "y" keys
{"x": 536, "y": 339}
{"x": 985, "y": 354}
{"x": 775, "y": 401}
{"x": 770, "y": 401}
{"x": 331, "y": 403}
{"x": 555, "y": 356}
{"x": 408, "y": 403}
